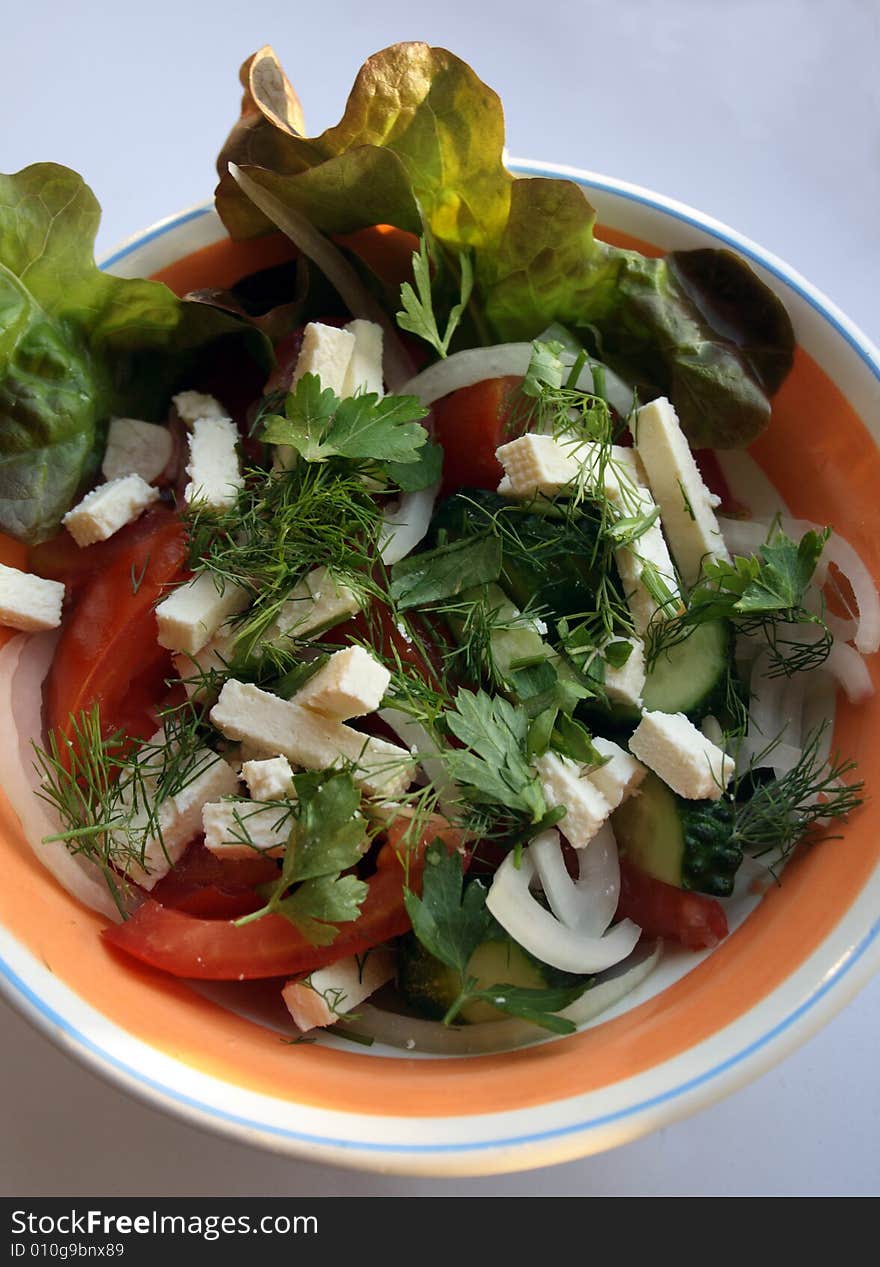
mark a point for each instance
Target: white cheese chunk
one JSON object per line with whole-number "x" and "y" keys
{"x": 350, "y": 684}
{"x": 180, "y": 817}
{"x": 193, "y": 612}
{"x": 317, "y": 603}
{"x": 564, "y": 784}
{"x": 330, "y": 992}
{"x": 277, "y": 727}
{"x": 625, "y": 685}
{"x": 619, "y": 776}
{"x": 237, "y": 828}
{"x": 364, "y": 372}
{"x": 538, "y": 465}
{"x": 108, "y": 508}
{"x": 213, "y": 468}
{"x": 191, "y": 406}
{"x": 269, "y": 780}
{"x": 327, "y": 352}
{"x": 29, "y": 602}
{"x": 686, "y": 505}
{"x": 136, "y": 448}
{"x": 688, "y": 762}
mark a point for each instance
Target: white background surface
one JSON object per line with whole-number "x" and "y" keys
{"x": 764, "y": 113}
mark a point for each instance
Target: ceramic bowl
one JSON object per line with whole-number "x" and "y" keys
{"x": 692, "y": 1033}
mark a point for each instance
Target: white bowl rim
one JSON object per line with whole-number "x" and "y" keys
{"x": 831, "y": 993}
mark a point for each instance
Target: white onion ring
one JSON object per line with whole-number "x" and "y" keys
{"x": 528, "y": 923}
{"x": 430, "y": 1037}
{"x": 588, "y": 903}
{"x": 848, "y": 668}
{"x": 847, "y": 560}
{"x": 405, "y": 525}
{"x": 414, "y": 736}
{"x": 749, "y": 485}
{"x": 24, "y": 663}
{"x": 475, "y": 365}
{"x": 398, "y": 366}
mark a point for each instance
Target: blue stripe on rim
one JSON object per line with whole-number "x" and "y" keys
{"x": 48, "y": 1016}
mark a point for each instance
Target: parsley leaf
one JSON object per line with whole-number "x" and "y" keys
{"x": 328, "y": 835}
{"x": 318, "y": 425}
{"x": 450, "y": 919}
{"x": 425, "y": 471}
{"x": 444, "y": 572}
{"x": 418, "y": 315}
{"x": 316, "y": 906}
{"x": 449, "y": 923}
{"x": 782, "y": 580}
{"x": 536, "y": 1005}
{"x": 493, "y": 768}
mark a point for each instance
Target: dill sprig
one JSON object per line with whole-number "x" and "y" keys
{"x": 779, "y": 813}
{"x": 280, "y": 528}
{"x": 109, "y": 791}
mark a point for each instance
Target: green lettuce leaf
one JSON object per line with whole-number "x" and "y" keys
{"x": 420, "y": 147}
{"x": 76, "y": 345}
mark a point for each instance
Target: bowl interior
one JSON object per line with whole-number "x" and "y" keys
{"x": 825, "y": 463}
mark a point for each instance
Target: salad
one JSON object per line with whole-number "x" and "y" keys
{"x": 391, "y": 629}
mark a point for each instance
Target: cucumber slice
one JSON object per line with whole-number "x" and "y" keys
{"x": 691, "y": 677}
{"x": 430, "y": 987}
{"x": 688, "y": 844}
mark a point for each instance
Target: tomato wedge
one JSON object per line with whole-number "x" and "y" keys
{"x": 214, "y": 888}
{"x": 218, "y": 950}
{"x": 662, "y": 910}
{"x": 107, "y": 653}
{"x": 470, "y": 424}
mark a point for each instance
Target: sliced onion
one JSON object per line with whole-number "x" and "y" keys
{"x": 559, "y": 888}
{"x": 418, "y": 740}
{"x": 24, "y": 663}
{"x": 847, "y": 560}
{"x": 848, "y": 668}
{"x": 405, "y": 525}
{"x": 432, "y": 1038}
{"x": 743, "y": 536}
{"x": 398, "y": 365}
{"x": 749, "y": 485}
{"x": 475, "y": 365}
{"x": 535, "y": 928}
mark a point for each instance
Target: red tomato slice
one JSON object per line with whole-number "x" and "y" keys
{"x": 661, "y": 910}
{"x": 471, "y": 424}
{"x": 107, "y": 653}
{"x": 217, "y": 950}
{"x": 214, "y": 888}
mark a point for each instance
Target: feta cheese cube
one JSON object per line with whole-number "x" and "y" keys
{"x": 327, "y": 352}
{"x": 316, "y": 603}
{"x": 191, "y": 406}
{"x": 364, "y": 373}
{"x": 330, "y": 992}
{"x": 686, "y": 505}
{"x": 238, "y": 828}
{"x": 108, "y": 508}
{"x": 350, "y": 684}
{"x": 538, "y": 465}
{"x": 564, "y": 784}
{"x": 619, "y": 776}
{"x": 29, "y": 602}
{"x": 277, "y": 727}
{"x": 180, "y": 817}
{"x": 136, "y": 448}
{"x": 625, "y": 685}
{"x": 213, "y": 467}
{"x": 688, "y": 762}
{"x": 194, "y": 611}
{"x": 269, "y": 780}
